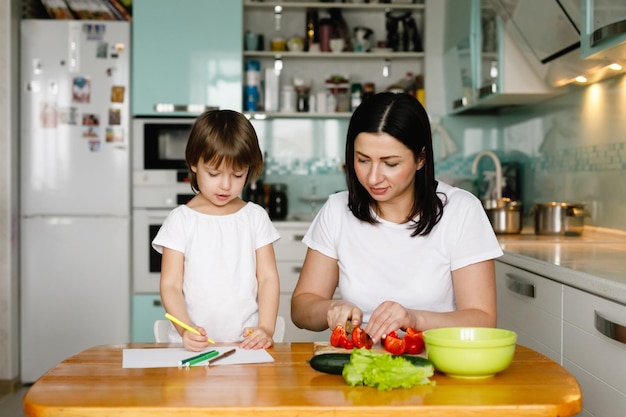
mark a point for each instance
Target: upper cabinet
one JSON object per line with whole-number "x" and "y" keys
{"x": 484, "y": 68}
{"x": 317, "y": 59}
{"x": 187, "y": 56}
{"x": 604, "y": 29}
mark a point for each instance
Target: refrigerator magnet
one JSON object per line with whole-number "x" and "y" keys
{"x": 94, "y": 145}
{"x": 114, "y": 134}
{"x": 102, "y": 50}
{"x": 117, "y": 93}
{"x": 48, "y": 115}
{"x": 91, "y": 119}
{"x": 81, "y": 89}
{"x": 115, "y": 116}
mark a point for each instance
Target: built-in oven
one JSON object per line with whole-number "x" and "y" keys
{"x": 146, "y": 224}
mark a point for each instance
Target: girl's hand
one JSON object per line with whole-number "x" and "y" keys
{"x": 194, "y": 342}
{"x": 340, "y": 312}
{"x": 388, "y": 316}
{"x": 256, "y": 338}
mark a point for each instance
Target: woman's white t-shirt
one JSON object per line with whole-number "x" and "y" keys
{"x": 380, "y": 262}
{"x": 219, "y": 284}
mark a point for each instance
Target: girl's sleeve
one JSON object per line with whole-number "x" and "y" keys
{"x": 171, "y": 234}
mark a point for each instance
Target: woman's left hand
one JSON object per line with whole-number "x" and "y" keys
{"x": 256, "y": 338}
{"x": 388, "y": 316}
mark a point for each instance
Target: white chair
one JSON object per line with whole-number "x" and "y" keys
{"x": 161, "y": 328}
{"x": 279, "y": 332}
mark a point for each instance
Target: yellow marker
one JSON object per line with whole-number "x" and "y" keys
{"x": 185, "y": 326}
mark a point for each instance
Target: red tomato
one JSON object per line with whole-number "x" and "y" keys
{"x": 338, "y": 335}
{"x": 414, "y": 341}
{"x": 393, "y": 344}
{"x": 361, "y": 339}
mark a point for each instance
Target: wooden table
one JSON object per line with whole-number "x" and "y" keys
{"x": 93, "y": 383}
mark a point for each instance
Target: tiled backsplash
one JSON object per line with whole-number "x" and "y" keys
{"x": 570, "y": 149}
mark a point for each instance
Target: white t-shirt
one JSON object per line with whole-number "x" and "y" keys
{"x": 380, "y": 262}
{"x": 219, "y": 283}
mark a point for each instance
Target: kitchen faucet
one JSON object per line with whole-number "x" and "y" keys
{"x": 496, "y": 161}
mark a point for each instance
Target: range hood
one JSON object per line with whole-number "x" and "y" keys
{"x": 548, "y": 34}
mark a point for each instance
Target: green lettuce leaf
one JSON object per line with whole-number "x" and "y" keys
{"x": 384, "y": 371}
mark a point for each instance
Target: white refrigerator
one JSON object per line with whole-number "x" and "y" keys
{"x": 74, "y": 189}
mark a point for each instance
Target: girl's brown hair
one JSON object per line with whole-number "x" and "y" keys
{"x": 223, "y": 136}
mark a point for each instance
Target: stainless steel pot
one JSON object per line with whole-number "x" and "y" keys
{"x": 564, "y": 219}
{"x": 505, "y": 216}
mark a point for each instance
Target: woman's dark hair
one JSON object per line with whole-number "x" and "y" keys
{"x": 223, "y": 136}
{"x": 403, "y": 117}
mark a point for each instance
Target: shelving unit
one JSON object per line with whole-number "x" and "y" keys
{"x": 287, "y": 19}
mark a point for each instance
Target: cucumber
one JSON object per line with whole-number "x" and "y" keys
{"x": 333, "y": 363}
{"x": 330, "y": 363}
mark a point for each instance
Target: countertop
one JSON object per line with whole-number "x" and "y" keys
{"x": 594, "y": 262}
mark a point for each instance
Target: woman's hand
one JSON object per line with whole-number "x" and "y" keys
{"x": 256, "y": 338}
{"x": 340, "y": 312}
{"x": 194, "y": 342}
{"x": 387, "y": 317}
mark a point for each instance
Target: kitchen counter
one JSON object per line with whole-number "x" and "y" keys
{"x": 594, "y": 262}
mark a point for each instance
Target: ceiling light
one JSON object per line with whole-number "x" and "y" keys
{"x": 615, "y": 66}
{"x": 581, "y": 79}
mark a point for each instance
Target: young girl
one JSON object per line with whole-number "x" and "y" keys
{"x": 218, "y": 272}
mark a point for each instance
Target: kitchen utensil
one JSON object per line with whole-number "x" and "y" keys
{"x": 505, "y": 215}
{"x": 556, "y": 218}
{"x": 470, "y": 352}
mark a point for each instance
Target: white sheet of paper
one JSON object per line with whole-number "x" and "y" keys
{"x": 169, "y": 357}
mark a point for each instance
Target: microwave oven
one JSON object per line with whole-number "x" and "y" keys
{"x": 159, "y": 144}
{"x": 159, "y": 150}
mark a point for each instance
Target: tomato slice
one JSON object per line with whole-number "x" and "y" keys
{"x": 414, "y": 341}
{"x": 338, "y": 335}
{"x": 361, "y": 339}
{"x": 394, "y": 345}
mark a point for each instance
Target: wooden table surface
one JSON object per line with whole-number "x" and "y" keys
{"x": 93, "y": 383}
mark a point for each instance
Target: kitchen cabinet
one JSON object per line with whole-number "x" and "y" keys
{"x": 530, "y": 305}
{"x": 287, "y": 19}
{"x": 187, "y": 56}
{"x": 603, "y": 34}
{"x": 290, "y": 253}
{"x": 146, "y": 309}
{"x": 484, "y": 69}
{"x": 594, "y": 350}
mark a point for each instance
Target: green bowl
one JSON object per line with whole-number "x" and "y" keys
{"x": 470, "y": 352}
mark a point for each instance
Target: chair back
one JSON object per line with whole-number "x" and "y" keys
{"x": 161, "y": 329}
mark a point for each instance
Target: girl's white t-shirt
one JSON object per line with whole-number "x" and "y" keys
{"x": 219, "y": 284}
{"x": 380, "y": 262}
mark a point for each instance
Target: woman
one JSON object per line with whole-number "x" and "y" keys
{"x": 404, "y": 249}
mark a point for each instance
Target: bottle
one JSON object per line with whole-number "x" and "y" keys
{"x": 312, "y": 29}
{"x": 277, "y": 204}
{"x": 369, "y": 89}
{"x": 326, "y": 33}
{"x": 253, "y": 85}
{"x": 356, "y": 95}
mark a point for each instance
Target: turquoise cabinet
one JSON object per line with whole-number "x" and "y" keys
{"x": 603, "y": 33}
{"x": 146, "y": 309}
{"x": 485, "y": 69}
{"x": 187, "y": 56}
